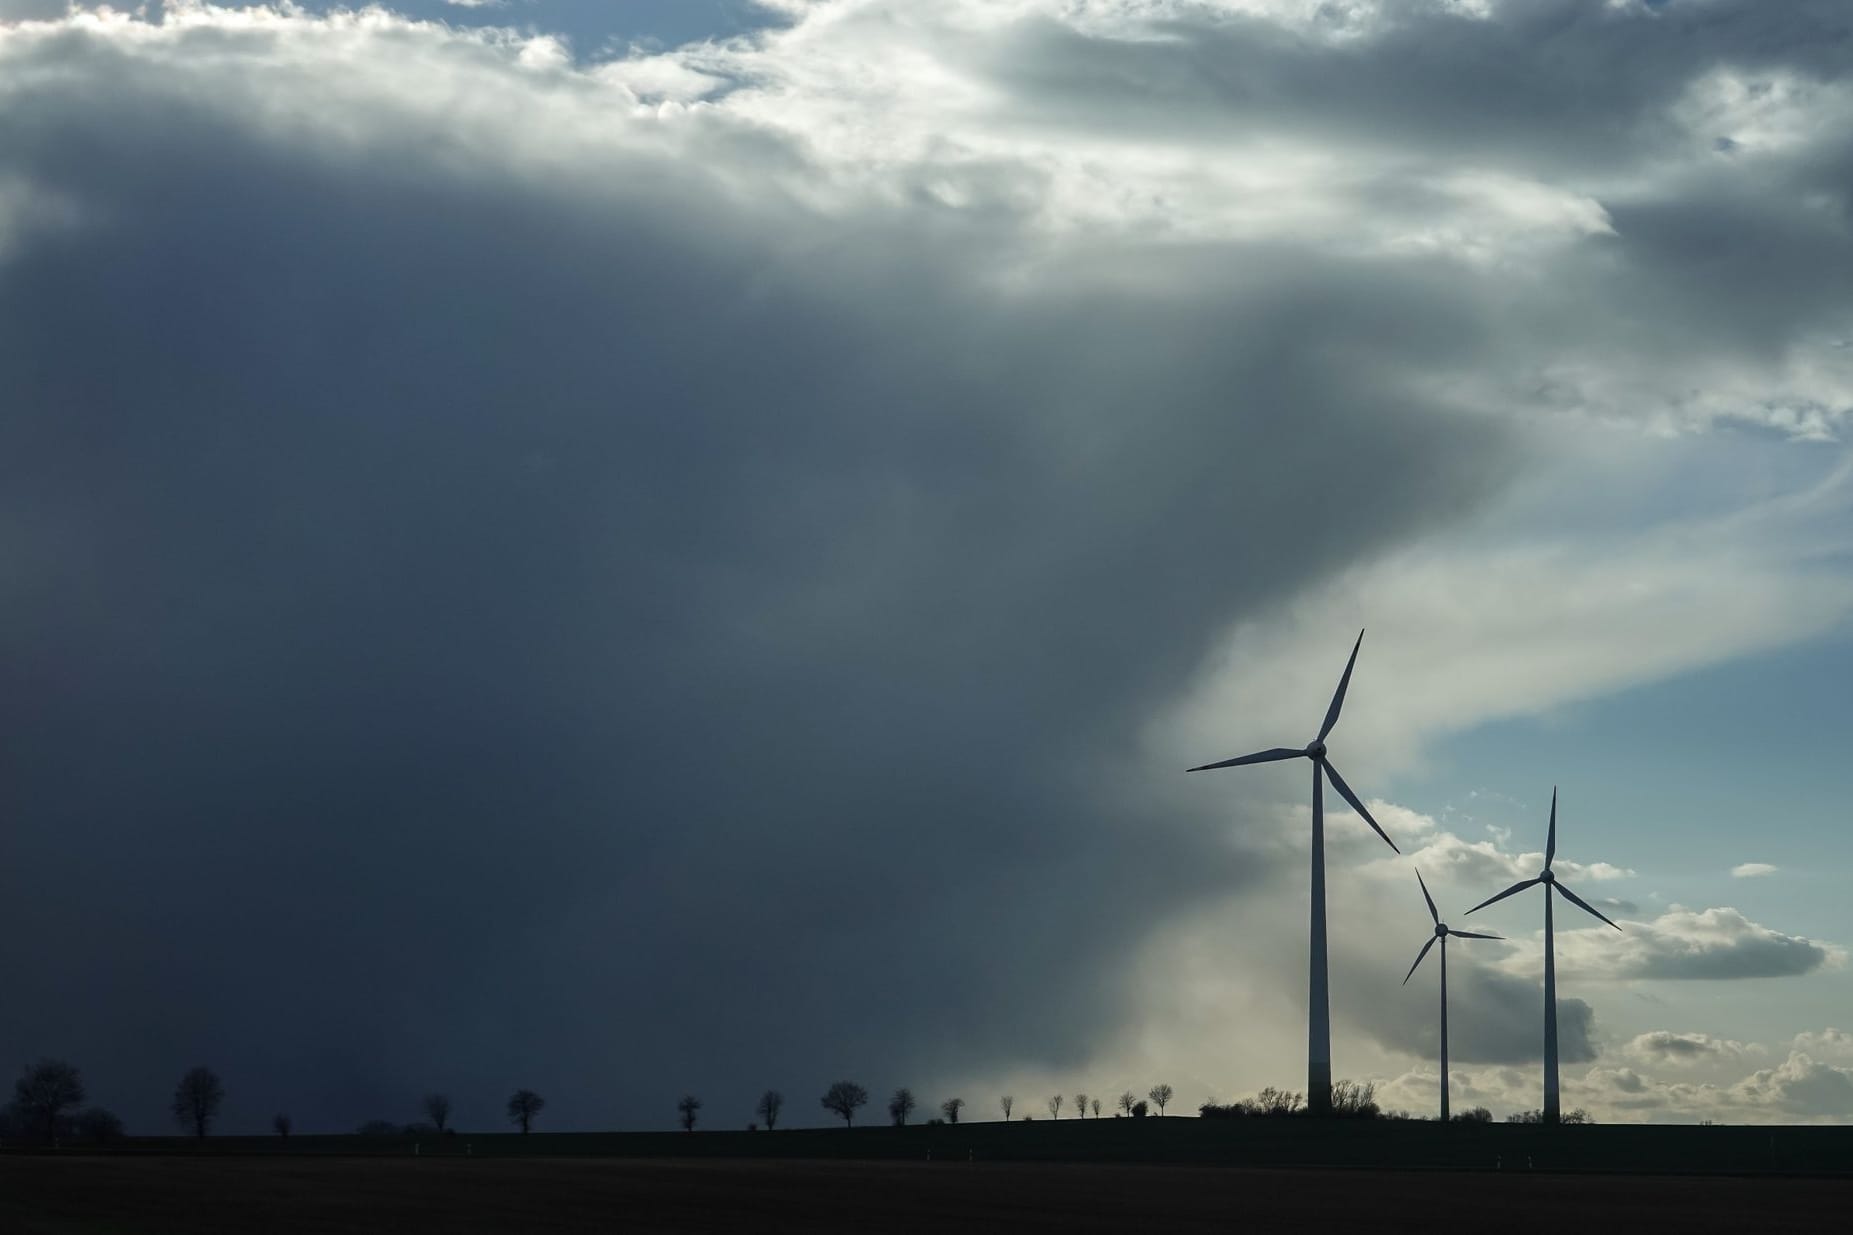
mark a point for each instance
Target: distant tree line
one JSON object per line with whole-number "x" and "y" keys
{"x": 1357, "y": 1100}
{"x": 845, "y": 1098}
{"x": 1350, "y": 1100}
{"x": 48, "y": 1104}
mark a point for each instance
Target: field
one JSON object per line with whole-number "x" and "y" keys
{"x": 90, "y": 1195}
{"x": 1174, "y": 1174}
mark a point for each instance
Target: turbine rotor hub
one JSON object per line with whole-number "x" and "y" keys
{"x": 1545, "y": 876}
{"x": 1441, "y": 930}
{"x": 1316, "y": 751}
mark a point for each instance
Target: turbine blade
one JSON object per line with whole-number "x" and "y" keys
{"x": 1587, "y": 907}
{"x": 1344, "y": 791}
{"x": 1517, "y": 887}
{"x": 1338, "y": 696}
{"x": 1550, "y": 844}
{"x": 1473, "y": 935}
{"x": 1431, "y": 900}
{"x": 1261, "y": 756}
{"x": 1418, "y": 959}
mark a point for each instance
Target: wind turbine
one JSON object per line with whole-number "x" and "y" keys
{"x": 1318, "y": 1004}
{"x": 1551, "y": 1104}
{"x": 1441, "y": 932}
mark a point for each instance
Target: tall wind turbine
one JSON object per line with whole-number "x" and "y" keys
{"x": 1551, "y": 1104}
{"x": 1318, "y": 1005}
{"x": 1441, "y": 932}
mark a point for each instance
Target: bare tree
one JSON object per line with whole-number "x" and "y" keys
{"x": 437, "y": 1109}
{"x": 1126, "y": 1101}
{"x": 43, "y": 1091}
{"x": 1096, "y": 1103}
{"x": 1161, "y": 1097}
{"x": 843, "y": 1098}
{"x": 770, "y": 1103}
{"x": 1055, "y": 1107}
{"x": 1355, "y": 1099}
{"x": 951, "y": 1107}
{"x": 1277, "y": 1102}
{"x": 1006, "y": 1102}
{"x": 197, "y": 1099}
{"x": 1080, "y": 1106}
{"x": 523, "y": 1106}
{"x": 901, "y": 1106}
{"x": 688, "y": 1106}
{"x": 282, "y": 1124}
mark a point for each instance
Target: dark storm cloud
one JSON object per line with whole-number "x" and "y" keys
{"x": 467, "y": 628}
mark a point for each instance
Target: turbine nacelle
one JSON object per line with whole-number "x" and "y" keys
{"x": 1547, "y": 878}
{"x": 1323, "y": 770}
{"x": 1441, "y": 930}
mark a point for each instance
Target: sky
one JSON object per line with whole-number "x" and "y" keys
{"x": 631, "y": 549}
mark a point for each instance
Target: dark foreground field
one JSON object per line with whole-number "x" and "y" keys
{"x": 66, "y": 1195}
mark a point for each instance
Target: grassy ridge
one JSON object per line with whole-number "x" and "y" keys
{"x": 1253, "y": 1142}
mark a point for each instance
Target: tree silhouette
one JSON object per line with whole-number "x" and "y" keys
{"x": 1006, "y": 1102}
{"x": 901, "y": 1106}
{"x": 688, "y": 1106}
{"x": 1080, "y": 1106}
{"x": 99, "y": 1125}
{"x": 1126, "y": 1101}
{"x": 843, "y": 1098}
{"x": 1055, "y": 1107}
{"x": 1096, "y": 1108}
{"x": 1355, "y": 1100}
{"x": 770, "y": 1103}
{"x": 437, "y": 1109}
{"x": 197, "y": 1099}
{"x": 1160, "y": 1096}
{"x": 42, "y": 1092}
{"x": 523, "y": 1106}
{"x": 282, "y": 1124}
{"x": 951, "y": 1108}
{"x": 1272, "y": 1101}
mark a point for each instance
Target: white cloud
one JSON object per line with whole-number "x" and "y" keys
{"x": 1799, "y": 1086}
{"x": 1752, "y": 870}
{"x": 1666, "y": 1048}
{"x": 1829, "y": 1044}
{"x": 1681, "y": 945}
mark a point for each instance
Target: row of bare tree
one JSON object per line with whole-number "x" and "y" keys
{"x": 844, "y": 1098}
{"x": 47, "y": 1095}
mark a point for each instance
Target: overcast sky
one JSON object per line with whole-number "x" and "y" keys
{"x": 641, "y": 548}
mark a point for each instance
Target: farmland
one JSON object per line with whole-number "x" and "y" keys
{"x": 1182, "y": 1174}
{"x": 89, "y": 1195}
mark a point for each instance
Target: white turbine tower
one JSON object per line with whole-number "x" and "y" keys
{"x": 1441, "y": 932}
{"x": 1318, "y": 1005}
{"x": 1551, "y": 1103}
